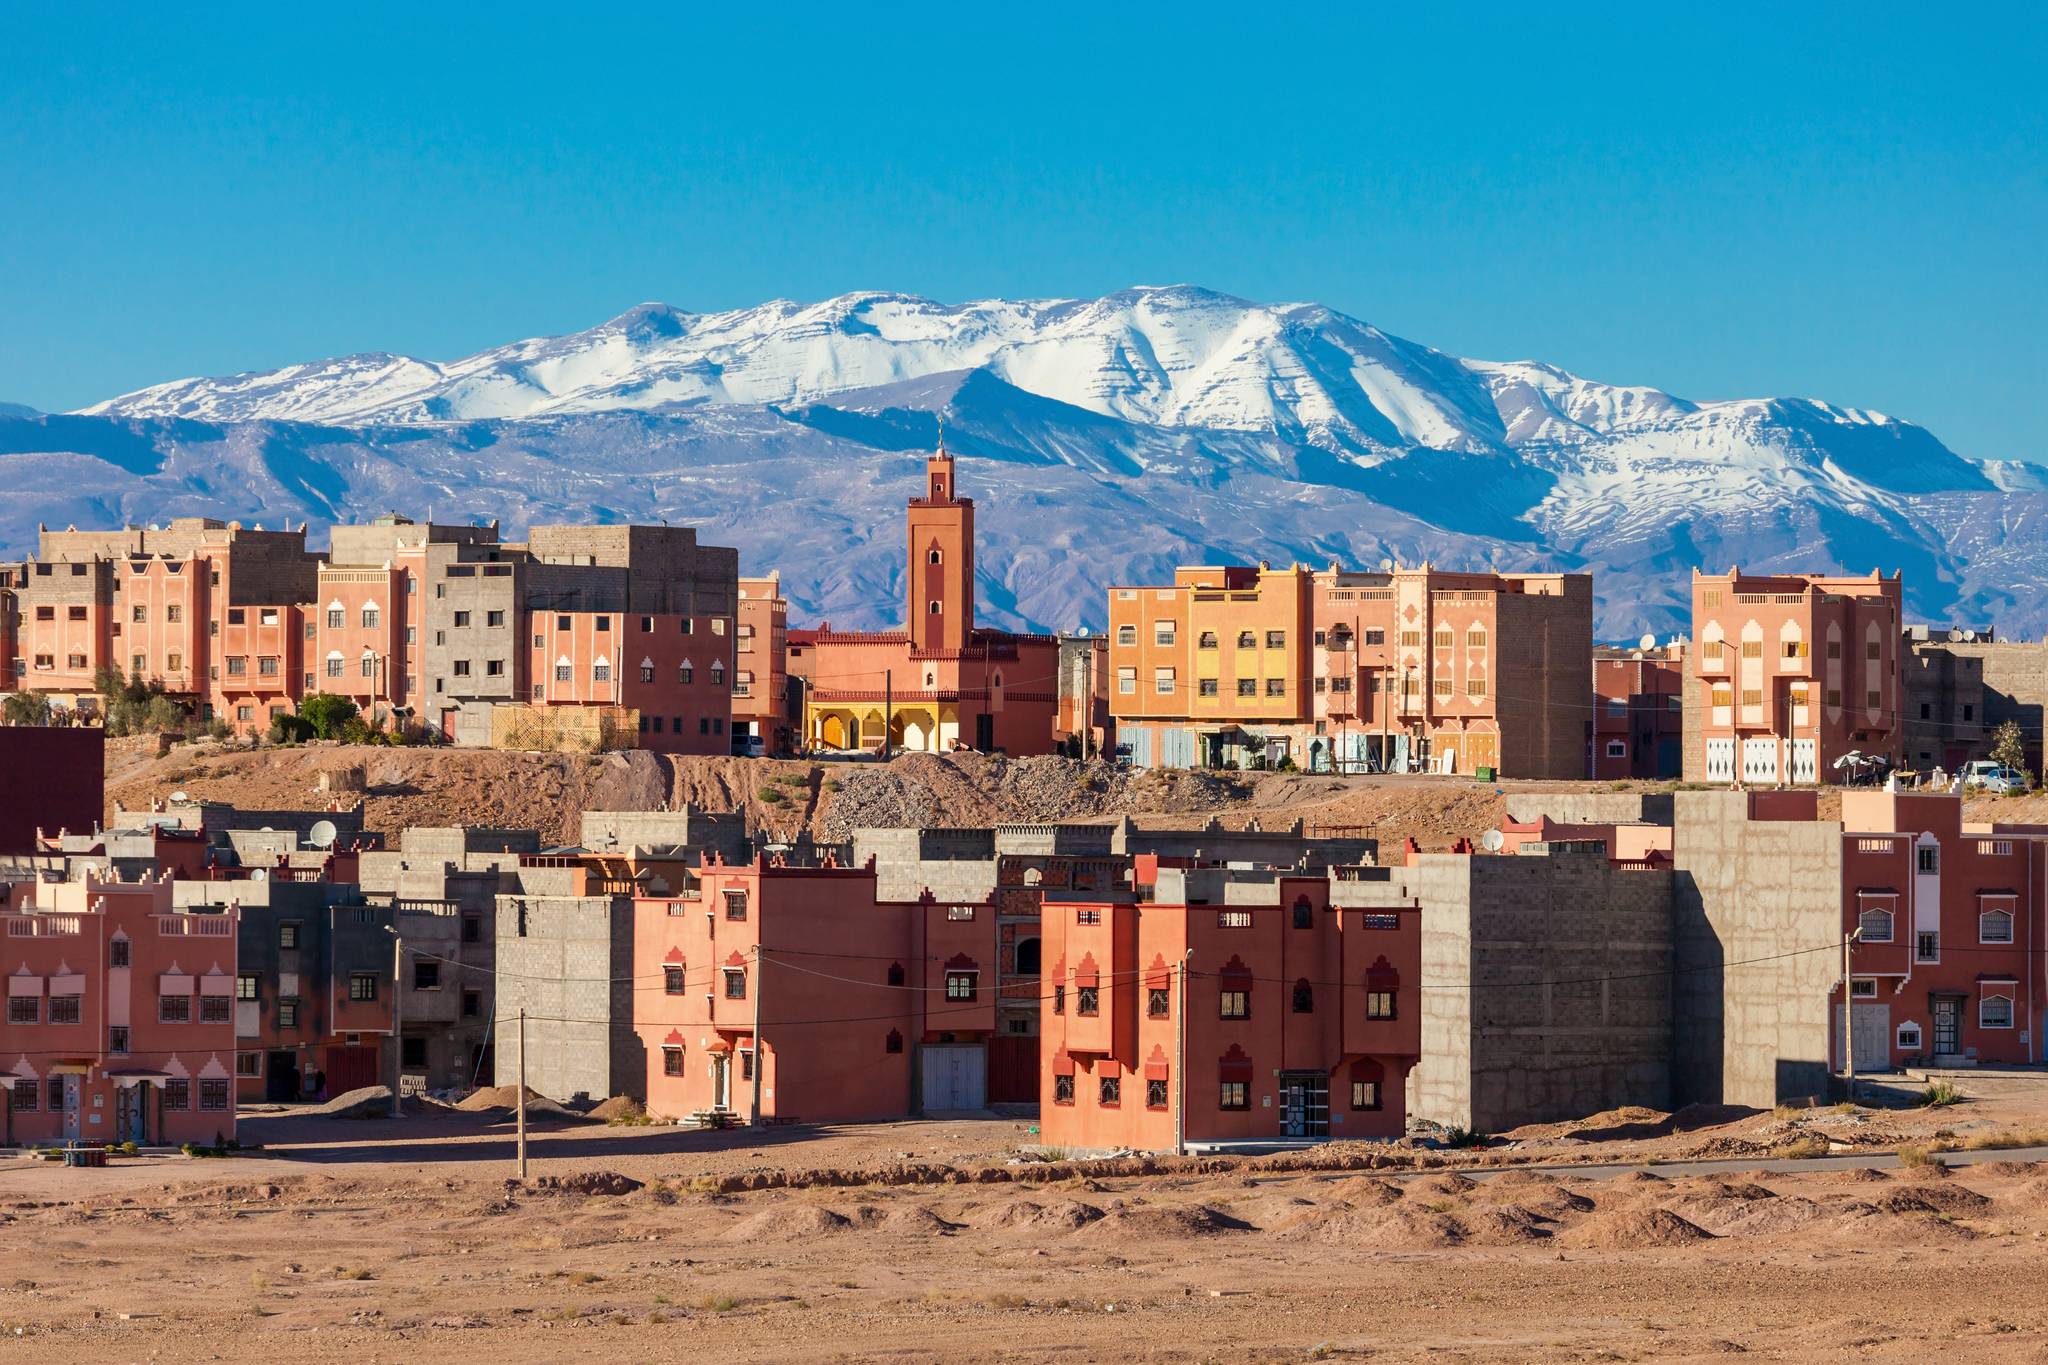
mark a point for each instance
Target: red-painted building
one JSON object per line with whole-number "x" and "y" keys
{"x": 1231, "y": 1007}
{"x": 1638, "y": 713}
{"x": 120, "y": 1017}
{"x": 1947, "y": 961}
{"x": 69, "y": 786}
{"x": 865, "y": 1009}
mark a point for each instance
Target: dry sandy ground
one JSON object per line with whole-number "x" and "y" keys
{"x": 372, "y": 1241}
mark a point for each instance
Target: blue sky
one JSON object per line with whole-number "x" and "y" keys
{"x": 1835, "y": 201}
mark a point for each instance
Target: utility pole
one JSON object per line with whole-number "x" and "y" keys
{"x": 521, "y": 1100}
{"x": 1180, "y": 1058}
{"x": 888, "y": 710}
{"x": 760, "y": 1053}
{"x": 397, "y": 1022}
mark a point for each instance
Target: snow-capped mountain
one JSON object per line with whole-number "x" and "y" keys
{"x": 1221, "y": 428}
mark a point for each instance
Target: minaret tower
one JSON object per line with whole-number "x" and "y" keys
{"x": 941, "y": 593}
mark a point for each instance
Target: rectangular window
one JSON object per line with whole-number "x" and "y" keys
{"x": 961, "y": 985}
{"x": 959, "y": 913}
{"x": 213, "y": 1009}
{"x": 117, "y": 953}
{"x": 494, "y": 618}
{"x": 1235, "y": 1095}
{"x": 735, "y": 905}
{"x": 1276, "y": 687}
{"x": 213, "y": 1092}
{"x": 1475, "y": 687}
{"x": 1062, "y": 1090}
{"x": 1247, "y": 687}
{"x": 288, "y": 1012}
{"x": 1126, "y": 636}
{"x": 248, "y": 1064}
{"x": 1059, "y": 999}
{"x": 1276, "y": 639}
{"x": 1162, "y": 632}
{"x": 412, "y": 1052}
{"x": 1233, "y": 919}
{"x": 461, "y": 619}
{"x": 671, "y": 1061}
{"x": 362, "y": 986}
{"x": 1126, "y": 681}
{"x": 1994, "y": 1011}
{"x": 24, "y": 1009}
{"x": 462, "y": 668}
{"x": 64, "y": 1009}
{"x": 335, "y": 617}
{"x": 735, "y": 983}
{"x": 288, "y": 934}
{"x": 1411, "y": 639}
{"x": 1752, "y": 697}
{"x": 1155, "y": 1003}
{"x": 1927, "y": 946}
{"x": 245, "y": 986}
{"x": 1929, "y": 858}
{"x": 1234, "y": 1005}
{"x": 1109, "y": 1091}
{"x": 472, "y": 928}
{"x": 117, "y": 1040}
{"x": 1379, "y": 1004}
{"x": 1863, "y": 988}
{"x": 1752, "y": 649}
{"x": 1206, "y": 687}
{"x": 1870, "y": 651}
{"x": 174, "y": 1009}
{"x": 1162, "y": 681}
{"x": 472, "y": 1004}
{"x": 25, "y": 1095}
{"x": 1155, "y": 1094}
{"x": 426, "y": 976}
{"x": 238, "y": 666}
{"x": 672, "y": 980}
{"x": 1365, "y": 1094}
{"x": 177, "y": 1093}
{"x": 1088, "y": 1001}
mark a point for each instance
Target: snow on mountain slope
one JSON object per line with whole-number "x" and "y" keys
{"x": 1228, "y": 429}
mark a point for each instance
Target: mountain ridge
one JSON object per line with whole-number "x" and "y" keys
{"x": 1218, "y": 427}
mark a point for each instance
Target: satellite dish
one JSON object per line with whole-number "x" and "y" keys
{"x": 1648, "y": 642}
{"x": 1492, "y": 841}
{"x": 1386, "y": 566}
{"x": 1969, "y": 635}
{"x": 258, "y": 874}
{"x": 322, "y": 834}
{"x": 180, "y": 797}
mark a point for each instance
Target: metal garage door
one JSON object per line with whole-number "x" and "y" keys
{"x": 955, "y": 1077}
{"x": 1872, "y": 1036}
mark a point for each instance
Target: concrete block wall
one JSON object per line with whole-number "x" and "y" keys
{"x": 1590, "y": 808}
{"x": 1757, "y": 914}
{"x": 568, "y": 961}
{"x": 1547, "y": 992}
{"x": 705, "y": 831}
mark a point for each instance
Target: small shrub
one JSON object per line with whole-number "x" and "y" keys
{"x": 1802, "y": 1149}
{"x": 1454, "y": 1136}
{"x": 831, "y": 784}
{"x": 718, "y": 1303}
{"x": 1920, "y": 1157}
{"x": 1940, "y": 1095}
{"x": 359, "y": 1273}
{"x": 289, "y": 729}
{"x": 773, "y": 797}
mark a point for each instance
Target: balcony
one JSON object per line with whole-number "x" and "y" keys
{"x": 45, "y": 926}
{"x": 195, "y": 926}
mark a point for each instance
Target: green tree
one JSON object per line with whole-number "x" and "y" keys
{"x": 2009, "y": 746}
{"x": 26, "y": 708}
{"x": 326, "y": 712}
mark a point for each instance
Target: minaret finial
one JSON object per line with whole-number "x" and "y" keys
{"x": 942, "y": 434}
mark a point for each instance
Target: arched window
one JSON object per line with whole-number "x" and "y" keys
{"x": 1304, "y": 997}
{"x": 933, "y": 556}
{"x": 895, "y": 973}
{"x": 1382, "y": 990}
{"x": 1304, "y": 914}
{"x": 1027, "y": 957}
{"x": 1876, "y": 926}
{"x": 934, "y": 607}
{"x": 895, "y": 1041}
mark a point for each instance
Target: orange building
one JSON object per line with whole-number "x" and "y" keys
{"x": 1791, "y": 672}
{"x": 675, "y": 671}
{"x": 863, "y": 1009}
{"x": 1405, "y": 670}
{"x": 940, "y": 682}
{"x": 1232, "y": 1007}
{"x": 760, "y": 682}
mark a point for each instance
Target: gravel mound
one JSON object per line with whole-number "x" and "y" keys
{"x": 1634, "y": 1230}
{"x": 369, "y": 1102}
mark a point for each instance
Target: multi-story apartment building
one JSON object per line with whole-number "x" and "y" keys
{"x": 12, "y": 665}
{"x": 760, "y": 680}
{"x": 1962, "y": 685}
{"x": 1408, "y": 669}
{"x": 1232, "y": 1006}
{"x": 1947, "y": 959}
{"x": 854, "y": 1008}
{"x": 120, "y": 1021}
{"x": 940, "y": 682}
{"x": 1638, "y": 713}
{"x": 676, "y": 672}
{"x": 1790, "y": 673}
{"x": 209, "y": 610}
{"x": 1084, "y": 725}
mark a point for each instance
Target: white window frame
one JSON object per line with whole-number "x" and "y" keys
{"x": 2010, "y": 1014}
{"x": 1984, "y": 915}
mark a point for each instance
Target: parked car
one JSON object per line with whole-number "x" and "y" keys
{"x": 1995, "y": 777}
{"x": 750, "y": 746}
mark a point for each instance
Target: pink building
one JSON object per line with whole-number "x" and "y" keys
{"x": 120, "y": 1022}
{"x": 676, "y": 671}
{"x": 864, "y": 1009}
{"x": 1791, "y": 672}
{"x": 1302, "y": 1011}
